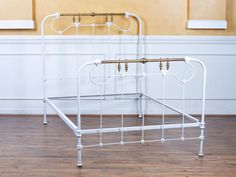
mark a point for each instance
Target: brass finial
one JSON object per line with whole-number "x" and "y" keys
{"x": 144, "y": 60}
{"x": 126, "y": 67}
{"x": 119, "y": 67}
{"x": 167, "y": 65}
{"x": 161, "y": 65}
{"x": 111, "y": 17}
{"x": 106, "y": 17}
{"x": 93, "y": 14}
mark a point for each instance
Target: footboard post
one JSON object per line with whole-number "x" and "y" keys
{"x": 202, "y": 122}
{"x": 79, "y": 144}
{"x": 202, "y": 127}
{"x": 79, "y": 135}
{"x": 140, "y": 106}
{"x": 79, "y": 151}
{"x": 45, "y": 122}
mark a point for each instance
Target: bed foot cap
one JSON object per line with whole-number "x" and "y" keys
{"x": 201, "y": 155}
{"x": 79, "y": 165}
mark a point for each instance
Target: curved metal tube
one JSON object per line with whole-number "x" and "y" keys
{"x": 44, "y": 62}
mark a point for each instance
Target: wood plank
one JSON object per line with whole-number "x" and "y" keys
{"x": 30, "y": 149}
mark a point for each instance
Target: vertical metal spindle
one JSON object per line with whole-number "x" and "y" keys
{"x": 163, "y": 107}
{"x": 101, "y": 116}
{"x": 183, "y": 107}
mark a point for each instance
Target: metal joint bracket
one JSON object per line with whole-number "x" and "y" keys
{"x": 202, "y": 125}
{"x": 93, "y": 14}
{"x": 79, "y": 134}
{"x": 79, "y": 147}
{"x": 201, "y": 137}
{"x": 144, "y": 60}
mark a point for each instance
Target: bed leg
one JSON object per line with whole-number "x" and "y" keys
{"x": 202, "y": 127}
{"x": 45, "y": 122}
{"x": 79, "y": 150}
{"x": 140, "y": 107}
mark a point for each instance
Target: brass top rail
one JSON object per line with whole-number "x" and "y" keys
{"x": 92, "y": 14}
{"x": 143, "y": 60}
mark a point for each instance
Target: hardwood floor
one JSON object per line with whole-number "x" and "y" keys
{"x": 30, "y": 149}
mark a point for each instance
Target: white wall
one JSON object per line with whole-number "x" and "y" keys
{"x": 21, "y": 69}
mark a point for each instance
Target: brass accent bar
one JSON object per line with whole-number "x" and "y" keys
{"x": 143, "y": 60}
{"x": 92, "y": 14}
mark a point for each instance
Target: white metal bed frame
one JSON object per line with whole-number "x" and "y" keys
{"x": 140, "y": 93}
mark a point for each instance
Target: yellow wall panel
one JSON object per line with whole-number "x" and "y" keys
{"x": 161, "y": 17}
{"x": 207, "y": 9}
{"x": 16, "y": 10}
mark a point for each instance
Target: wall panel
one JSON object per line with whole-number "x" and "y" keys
{"x": 164, "y": 17}
{"x": 21, "y": 77}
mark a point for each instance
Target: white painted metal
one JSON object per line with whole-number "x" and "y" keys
{"x": 68, "y": 122}
{"x": 17, "y": 24}
{"x": 44, "y": 65}
{"x": 141, "y": 96}
{"x": 202, "y": 123}
{"x": 138, "y": 128}
{"x": 207, "y": 24}
{"x": 172, "y": 108}
{"x": 135, "y": 142}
